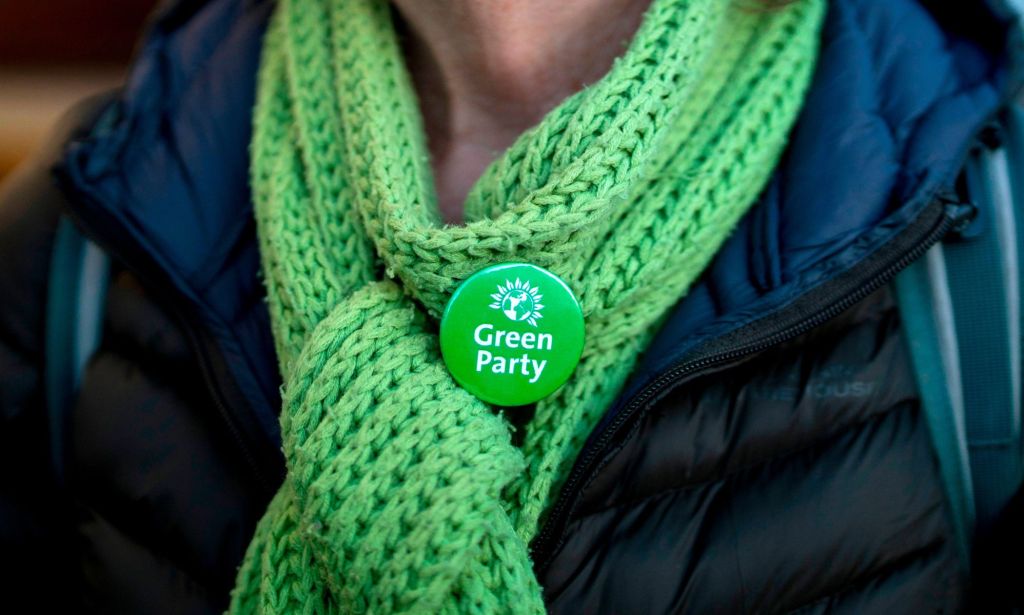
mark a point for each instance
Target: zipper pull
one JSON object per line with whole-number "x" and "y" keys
{"x": 965, "y": 222}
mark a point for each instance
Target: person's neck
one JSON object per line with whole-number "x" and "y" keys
{"x": 487, "y": 70}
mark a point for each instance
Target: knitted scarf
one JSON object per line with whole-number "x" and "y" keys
{"x": 404, "y": 493}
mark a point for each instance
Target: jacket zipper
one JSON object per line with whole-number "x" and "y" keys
{"x": 223, "y": 409}
{"x": 932, "y": 224}
{"x": 262, "y": 471}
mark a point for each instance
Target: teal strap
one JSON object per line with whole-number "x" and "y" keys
{"x": 927, "y": 311}
{"x": 961, "y": 307}
{"x": 76, "y": 295}
{"x": 984, "y": 273}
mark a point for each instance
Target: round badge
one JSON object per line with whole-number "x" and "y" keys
{"x": 512, "y": 334}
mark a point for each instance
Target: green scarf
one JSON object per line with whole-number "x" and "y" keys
{"x": 404, "y": 493}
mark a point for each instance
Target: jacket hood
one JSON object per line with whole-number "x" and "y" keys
{"x": 901, "y": 89}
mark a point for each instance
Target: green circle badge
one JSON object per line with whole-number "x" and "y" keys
{"x": 512, "y": 334}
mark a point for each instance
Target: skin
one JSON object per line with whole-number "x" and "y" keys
{"x": 487, "y": 70}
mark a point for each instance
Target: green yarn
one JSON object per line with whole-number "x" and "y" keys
{"x": 404, "y": 493}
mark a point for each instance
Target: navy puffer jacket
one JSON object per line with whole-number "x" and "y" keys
{"x": 770, "y": 454}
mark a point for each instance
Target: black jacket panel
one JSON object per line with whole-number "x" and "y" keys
{"x": 155, "y": 470}
{"x": 803, "y": 476}
{"x": 159, "y": 503}
{"x": 34, "y": 530}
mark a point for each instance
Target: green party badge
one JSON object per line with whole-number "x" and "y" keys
{"x": 512, "y": 334}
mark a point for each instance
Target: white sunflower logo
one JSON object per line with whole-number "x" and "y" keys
{"x": 518, "y": 301}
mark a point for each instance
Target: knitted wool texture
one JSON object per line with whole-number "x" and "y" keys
{"x": 404, "y": 493}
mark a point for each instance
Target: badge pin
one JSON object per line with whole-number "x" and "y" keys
{"x": 511, "y": 334}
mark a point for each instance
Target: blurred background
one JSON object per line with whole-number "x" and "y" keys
{"x": 53, "y": 53}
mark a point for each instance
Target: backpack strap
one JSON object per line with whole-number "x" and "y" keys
{"x": 985, "y": 275}
{"x": 76, "y": 294}
{"x": 926, "y": 307}
{"x": 961, "y": 308}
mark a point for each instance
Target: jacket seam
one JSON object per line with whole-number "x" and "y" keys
{"x": 904, "y": 405}
{"x": 133, "y": 536}
{"x": 933, "y": 547}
